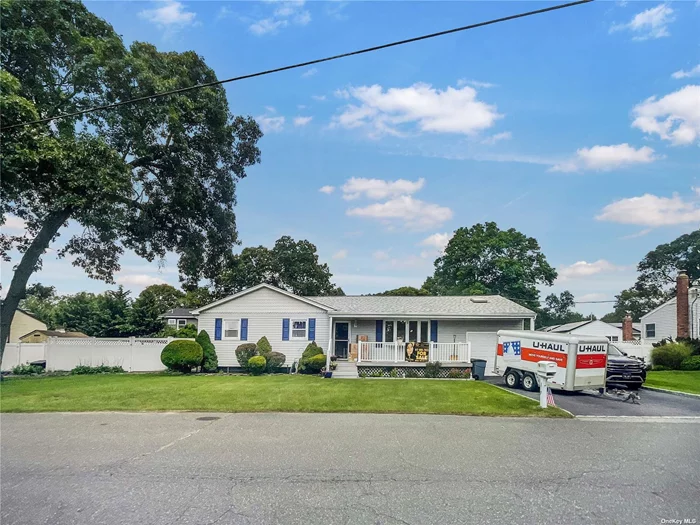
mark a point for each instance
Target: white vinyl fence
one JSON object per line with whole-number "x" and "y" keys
{"x": 132, "y": 354}
{"x": 635, "y": 349}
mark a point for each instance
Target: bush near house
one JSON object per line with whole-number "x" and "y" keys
{"x": 210, "y": 362}
{"x": 312, "y": 350}
{"x": 275, "y": 360}
{"x": 102, "y": 369}
{"x": 264, "y": 346}
{"x": 244, "y": 353}
{"x": 670, "y": 355}
{"x": 26, "y": 370}
{"x": 314, "y": 365}
{"x": 189, "y": 331}
{"x": 256, "y": 365}
{"x": 691, "y": 363}
{"x": 182, "y": 356}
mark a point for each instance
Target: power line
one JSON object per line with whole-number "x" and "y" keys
{"x": 301, "y": 64}
{"x": 593, "y": 302}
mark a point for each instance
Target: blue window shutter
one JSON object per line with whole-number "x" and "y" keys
{"x": 433, "y": 331}
{"x": 312, "y": 329}
{"x": 379, "y": 331}
{"x": 285, "y": 329}
{"x": 244, "y": 329}
{"x": 217, "y": 329}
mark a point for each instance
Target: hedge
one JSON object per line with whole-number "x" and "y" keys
{"x": 691, "y": 363}
{"x": 244, "y": 352}
{"x": 256, "y": 365}
{"x": 264, "y": 346}
{"x": 182, "y": 356}
{"x": 313, "y": 365}
{"x": 275, "y": 361}
{"x": 210, "y": 362}
{"x": 670, "y": 355}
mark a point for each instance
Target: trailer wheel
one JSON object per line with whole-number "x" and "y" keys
{"x": 512, "y": 379}
{"x": 530, "y": 383}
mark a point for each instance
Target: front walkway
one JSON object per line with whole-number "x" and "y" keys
{"x": 345, "y": 370}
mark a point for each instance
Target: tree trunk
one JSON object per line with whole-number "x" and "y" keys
{"x": 25, "y": 269}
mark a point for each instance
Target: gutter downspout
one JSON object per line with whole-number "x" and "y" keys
{"x": 330, "y": 341}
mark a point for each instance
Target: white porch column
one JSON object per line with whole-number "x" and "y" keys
{"x": 330, "y": 341}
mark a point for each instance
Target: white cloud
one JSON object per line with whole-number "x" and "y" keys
{"x": 270, "y": 124}
{"x": 506, "y": 135}
{"x": 649, "y": 24}
{"x": 694, "y": 72}
{"x": 651, "y": 210}
{"x": 405, "y": 210}
{"x": 283, "y": 15}
{"x": 340, "y": 254}
{"x": 381, "y": 255}
{"x": 391, "y": 111}
{"x": 438, "y": 241}
{"x": 224, "y": 12}
{"x": 640, "y": 233}
{"x": 475, "y": 83}
{"x": 327, "y": 189}
{"x": 309, "y": 72}
{"x": 142, "y": 280}
{"x": 585, "y": 269}
{"x": 605, "y": 158}
{"x": 319, "y": 98}
{"x": 355, "y": 188}
{"x": 302, "y": 121}
{"x": 675, "y": 117}
{"x": 171, "y": 15}
{"x": 342, "y": 93}
{"x": 14, "y": 224}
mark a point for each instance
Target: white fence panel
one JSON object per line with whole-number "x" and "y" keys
{"x": 635, "y": 349}
{"x": 446, "y": 352}
{"x": 134, "y": 355}
{"x": 21, "y": 353}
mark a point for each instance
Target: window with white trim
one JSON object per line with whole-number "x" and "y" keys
{"x": 299, "y": 328}
{"x": 181, "y": 323}
{"x": 650, "y": 330}
{"x": 232, "y": 329}
{"x": 172, "y": 321}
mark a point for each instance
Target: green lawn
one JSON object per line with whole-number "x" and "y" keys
{"x": 678, "y": 380}
{"x": 281, "y": 393}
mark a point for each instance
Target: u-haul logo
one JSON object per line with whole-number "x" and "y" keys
{"x": 554, "y": 347}
{"x": 591, "y": 348}
{"x": 511, "y": 347}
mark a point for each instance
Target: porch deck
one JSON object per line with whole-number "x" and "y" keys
{"x": 413, "y": 353}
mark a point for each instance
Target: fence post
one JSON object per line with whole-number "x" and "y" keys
{"x": 19, "y": 353}
{"x": 132, "y": 341}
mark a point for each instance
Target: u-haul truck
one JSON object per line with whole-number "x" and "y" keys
{"x": 580, "y": 360}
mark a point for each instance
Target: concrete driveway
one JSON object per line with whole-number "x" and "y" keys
{"x": 590, "y": 403}
{"x": 188, "y": 468}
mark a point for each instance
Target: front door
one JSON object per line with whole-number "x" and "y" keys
{"x": 342, "y": 339}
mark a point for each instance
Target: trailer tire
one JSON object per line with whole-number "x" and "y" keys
{"x": 530, "y": 383}
{"x": 512, "y": 379}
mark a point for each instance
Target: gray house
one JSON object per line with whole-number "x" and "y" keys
{"x": 179, "y": 317}
{"x": 363, "y": 329}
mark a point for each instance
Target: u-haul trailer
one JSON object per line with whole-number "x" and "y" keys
{"x": 581, "y": 360}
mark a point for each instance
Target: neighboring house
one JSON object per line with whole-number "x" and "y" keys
{"x": 378, "y": 328}
{"x": 22, "y": 323}
{"x": 39, "y": 336}
{"x": 179, "y": 317}
{"x": 636, "y": 330}
{"x": 677, "y": 317}
{"x": 590, "y": 327}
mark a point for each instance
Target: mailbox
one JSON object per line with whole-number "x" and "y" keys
{"x": 546, "y": 369}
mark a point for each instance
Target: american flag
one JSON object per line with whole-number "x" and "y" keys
{"x": 550, "y": 398}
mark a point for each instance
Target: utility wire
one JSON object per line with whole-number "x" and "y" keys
{"x": 593, "y": 302}
{"x": 301, "y": 64}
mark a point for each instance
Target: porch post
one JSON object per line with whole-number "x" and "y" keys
{"x": 330, "y": 341}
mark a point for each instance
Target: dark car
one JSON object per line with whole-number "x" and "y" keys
{"x": 623, "y": 371}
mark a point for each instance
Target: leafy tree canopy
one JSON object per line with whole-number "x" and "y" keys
{"x": 659, "y": 268}
{"x": 559, "y": 310}
{"x": 484, "y": 259}
{"x": 406, "y": 291}
{"x": 153, "y": 177}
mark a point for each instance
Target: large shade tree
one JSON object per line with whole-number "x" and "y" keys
{"x": 484, "y": 259}
{"x": 154, "y": 177}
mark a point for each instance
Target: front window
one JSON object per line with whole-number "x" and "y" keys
{"x": 172, "y": 322}
{"x": 181, "y": 323}
{"x": 650, "y": 330}
{"x": 232, "y": 329}
{"x": 298, "y": 328}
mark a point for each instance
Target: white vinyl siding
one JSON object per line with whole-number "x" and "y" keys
{"x": 663, "y": 320}
{"x": 599, "y": 328}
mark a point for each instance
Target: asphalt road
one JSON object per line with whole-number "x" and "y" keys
{"x": 590, "y": 403}
{"x": 153, "y": 469}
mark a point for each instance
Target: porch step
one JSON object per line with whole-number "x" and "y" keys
{"x": 346, "y": 370}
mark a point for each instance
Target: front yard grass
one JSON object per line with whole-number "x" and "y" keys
{"x": 280, "y": 393}
{"x": 678, "y": 380}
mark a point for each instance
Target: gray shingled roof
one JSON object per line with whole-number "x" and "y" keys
{"x": 178, "y": 313}
{"x": 456, "y": 305}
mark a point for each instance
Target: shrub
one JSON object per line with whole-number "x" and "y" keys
{"x": 670, "y": 355}
{"x": 313, "y": 365}
{"x": 182, "y": 356}
{"x": 256, "y": 365}
{"x": 411, "y": 373}
{"x": 311, "y": 350}
{"x": 659, "y": 368}
{"x": 466, "y": 374}
{"x": 691, "y": 363}
{"x": 189, "y": 331}
{"x": 275, "y": 361}
{"x": 264, "y": 346}
{"x": 694, "y": 344}
{"x": 362, "y": 373}
{"x": 393, "y": 373}
{"x": 210, "y": 362}
{"x": 455, "y": 374}
{"x": 377, "y": 373}
{"x": 102, "y": 369}
{"x": 432, "y": 369}
{"x": 244, "y": 352}
{"x": 27, "y": 370}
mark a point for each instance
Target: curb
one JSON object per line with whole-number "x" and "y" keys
{"x": 512, "y": 391}
{"x": 674, "y": 392}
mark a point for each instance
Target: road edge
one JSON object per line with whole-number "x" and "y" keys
{"x": 674, "y": 392}
{"x": 513, "y": 391}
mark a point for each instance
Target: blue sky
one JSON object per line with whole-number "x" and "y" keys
{"x": 579, "y": 127}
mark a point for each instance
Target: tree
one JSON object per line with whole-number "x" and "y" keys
{"x": 77, "y": 313}
{"x": 41, "y": 301}
{"x": 197, "y": 297}
{"x": 636, "y": 302}
{"x": 151, "y": 303}
{"x": 559, "y": 310}
{"x": 659, "y": 268}
{"x": 153, "y": 177}
{"x": 290, "y": 265}
{"x": 486, "y": 260}
{"x": 405, "y": 291}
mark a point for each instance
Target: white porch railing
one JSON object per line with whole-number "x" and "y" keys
{"x": 396, "y": 352}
